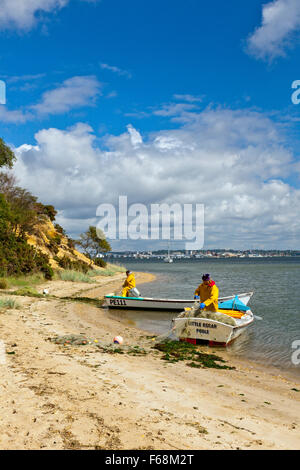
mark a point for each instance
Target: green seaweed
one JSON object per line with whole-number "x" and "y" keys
{"x": 27, "y": 292}
{"x": 175, "y": 351}
{"x": 86, "y": 300}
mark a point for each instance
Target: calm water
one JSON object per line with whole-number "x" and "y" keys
{"x": 276, "y": 286}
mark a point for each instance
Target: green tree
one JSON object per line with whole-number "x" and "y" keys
{"x": 16, "y": 256}
{"x": 93, "y": 243}
{"x": 7, "y": 156}
{"x": 27, "y": 212}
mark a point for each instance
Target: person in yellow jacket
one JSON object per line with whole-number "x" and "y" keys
{"x": 128, "y": 284}
{"x": 208, "y": 293}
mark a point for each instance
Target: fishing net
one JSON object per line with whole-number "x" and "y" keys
{"x": 110, "y": 348}
{"x": 76, "y": 340}
{"x": 179, "y": 327}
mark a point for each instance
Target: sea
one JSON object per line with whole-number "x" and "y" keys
{"x": 273, "y": 340}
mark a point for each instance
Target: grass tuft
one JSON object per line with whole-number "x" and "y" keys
{"x": 27, "y": 291}
{"x": 74, "y": 276}
{"x": 111, "y": 270}
{"x": 25, "y": 281}
{"x": 9, "y": 303}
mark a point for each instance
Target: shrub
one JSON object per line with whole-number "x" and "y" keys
{"x": 50, "y": 212}
{"x": 3, "y": 284}
{"x": 16, "y": 256}
{"x": 71, "y": 244}
{"x": 48, "y": 272}
{"x": 67, "y": 263}
{"x": 59, "y": 229}
{"x": 100, "y": 262}
{"x": 53, "y": 248}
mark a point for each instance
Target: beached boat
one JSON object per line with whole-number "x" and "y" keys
{"x": 149, "y": 303}
{"x": 214, "y": 328}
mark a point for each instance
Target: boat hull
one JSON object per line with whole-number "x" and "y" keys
{"x": 147, "y": 303}
{"x": 197, "y": 330}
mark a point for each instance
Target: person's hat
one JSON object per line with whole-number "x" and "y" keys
{"x": 206, "y": 277}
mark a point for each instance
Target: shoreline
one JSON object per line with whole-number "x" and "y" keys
{"x": 245, "y": 362}
{"x": 79, "y": 397}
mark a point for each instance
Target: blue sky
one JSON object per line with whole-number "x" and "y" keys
{"x": 205, "y": 88}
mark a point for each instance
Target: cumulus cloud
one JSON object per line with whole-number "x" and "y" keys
{"x": 280, "y": 22}
{"x": 234, "y": 162}
{"x": 22, "y": 14}
{"x": 72, "y": 93}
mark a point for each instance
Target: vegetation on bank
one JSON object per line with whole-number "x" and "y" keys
{"x": 31, "y": 244}
{"x": 17, "y": 257}
{"x": 8, "y": 303}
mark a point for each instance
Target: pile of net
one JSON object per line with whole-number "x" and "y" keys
{"x": 110, "y": 348}
{"x": 76, "y": 340}
{"x": 196, "y": 312}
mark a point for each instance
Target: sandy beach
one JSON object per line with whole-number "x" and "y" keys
{"x": 56, "y": 396}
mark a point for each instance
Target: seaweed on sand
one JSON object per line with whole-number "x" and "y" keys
{"x": 175, "y": 351}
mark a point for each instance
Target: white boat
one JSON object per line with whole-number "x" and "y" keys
{"x": 219, "y": 328}
{"x": 149, "y": 303}
{"x": 168, "y": 258}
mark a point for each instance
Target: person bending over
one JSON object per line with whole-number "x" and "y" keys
{"x": 208, "y": 293}
{"x": 128, "y": 284}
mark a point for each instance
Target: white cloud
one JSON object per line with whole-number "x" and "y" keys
{"x": 175, "y": 109}
{"x": 188, "y": 98}
{"x": 13, "y": 116}
{"x": 72, "y": 93}
{"x": 232, "y": 161}
{"x": 135, "y": 136}
{"x": 117, "y": 70}
{"x": 24, "y": 14}
{"x": 23, "y": 78}
{"x": 280, "y": 22}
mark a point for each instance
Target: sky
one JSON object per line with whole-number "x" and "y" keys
{"x": 163, "y": 102}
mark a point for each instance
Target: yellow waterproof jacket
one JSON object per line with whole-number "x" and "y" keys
{"x": 129, "y": 281}
{"x": 209, "y": 295}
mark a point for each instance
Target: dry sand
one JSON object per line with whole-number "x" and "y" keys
{"x": 77, "y": 397}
